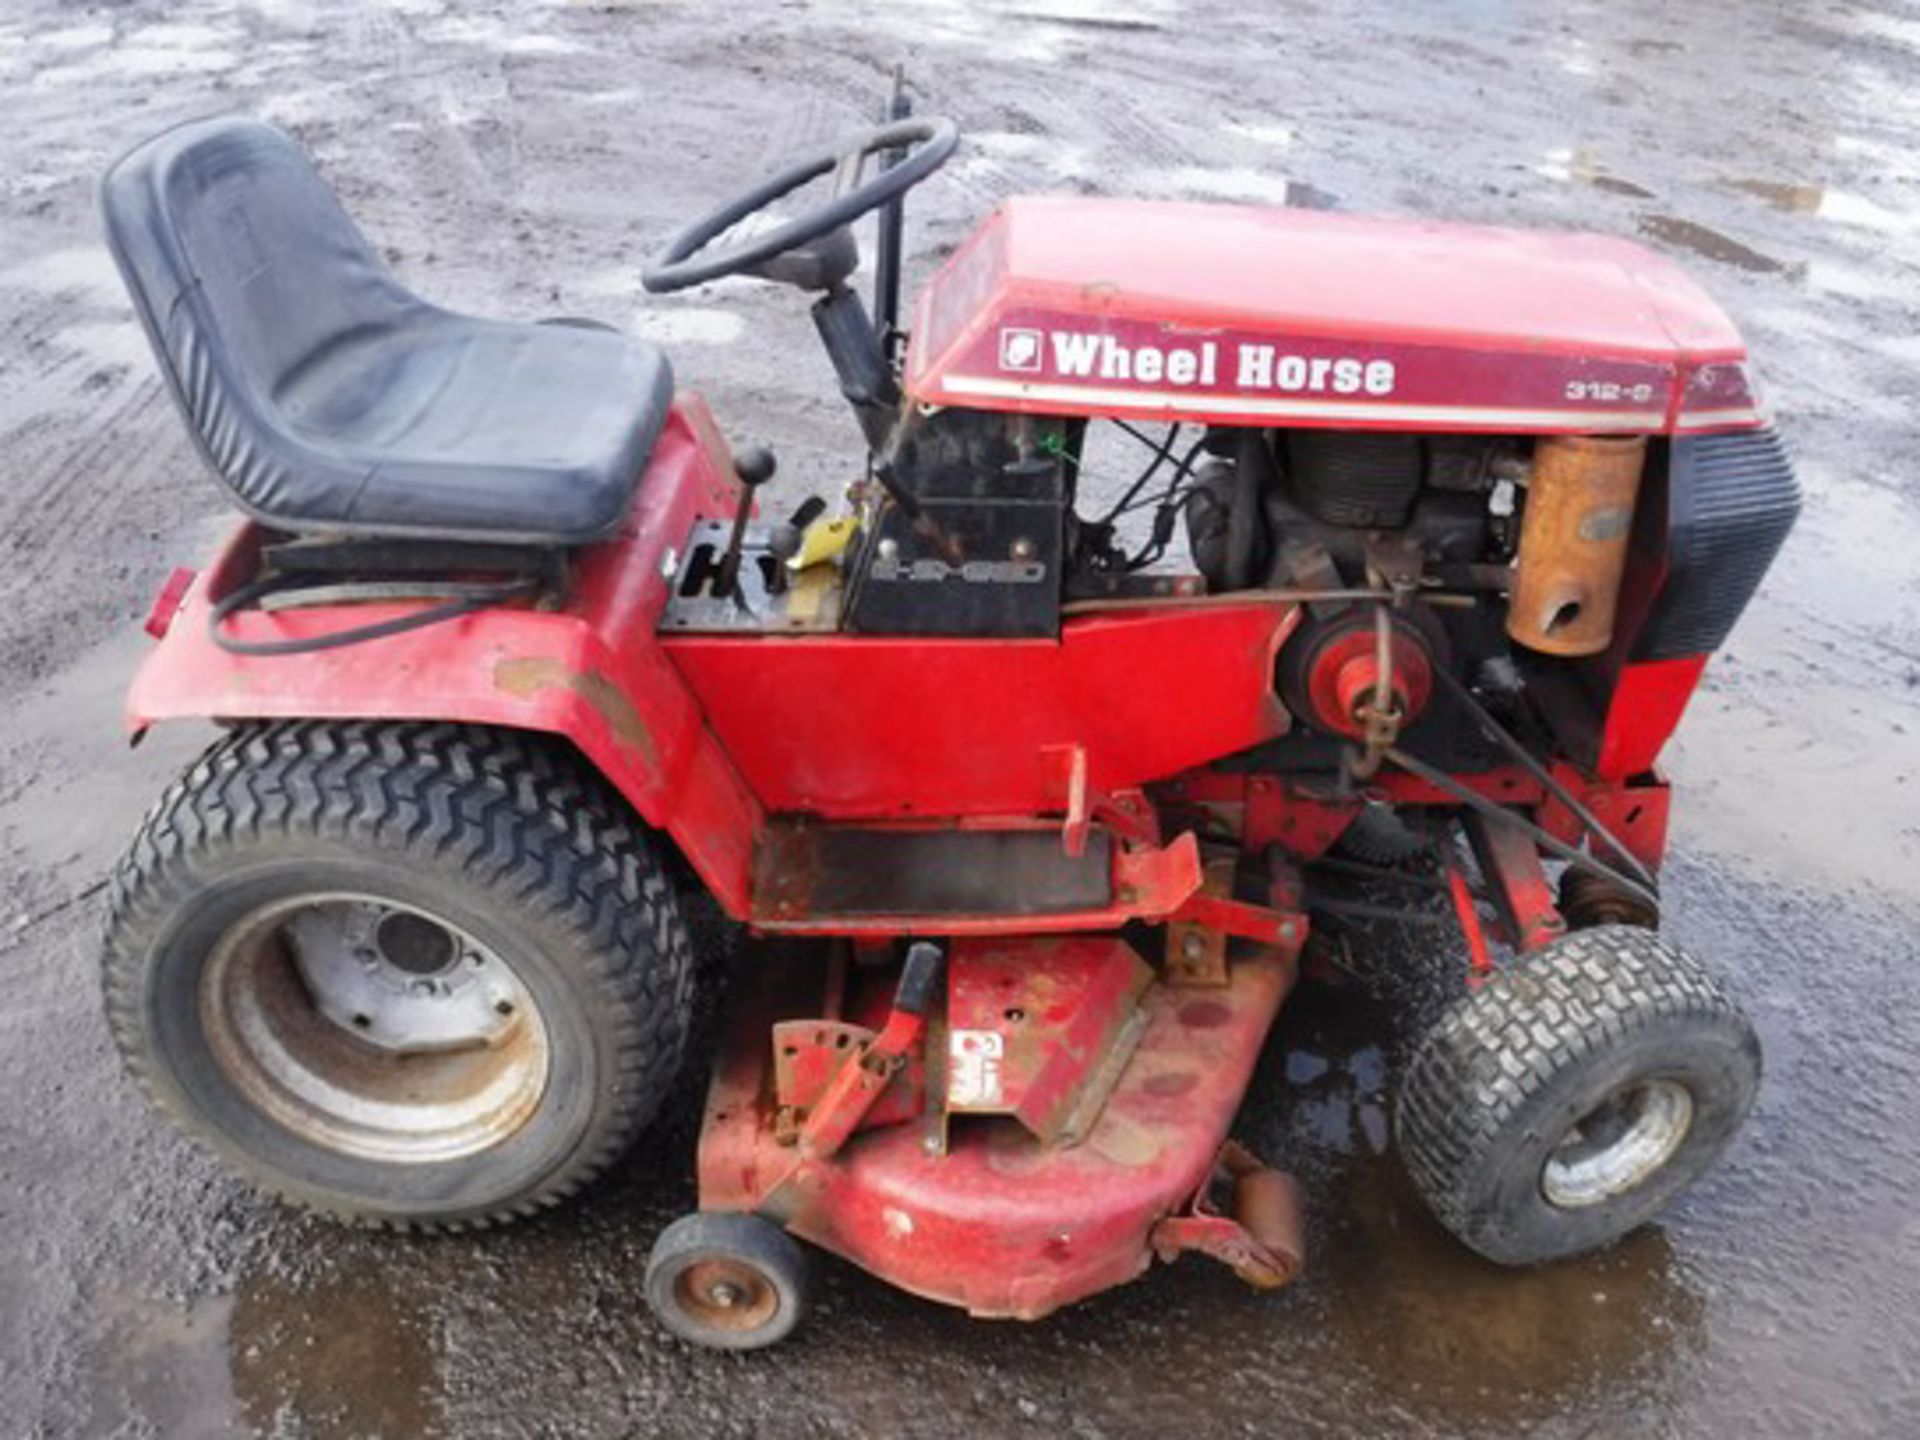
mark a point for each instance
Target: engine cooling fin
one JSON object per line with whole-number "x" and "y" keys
{"x": 1356, "y": 478}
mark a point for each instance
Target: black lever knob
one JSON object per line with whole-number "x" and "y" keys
{"x": 784, "y": 541}
{"x": 754, "y": 465}
{"x": 917, "y": 977}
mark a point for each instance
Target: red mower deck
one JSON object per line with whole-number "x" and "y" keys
{"x": 957, "y": 1200}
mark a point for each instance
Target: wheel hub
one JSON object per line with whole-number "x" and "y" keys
{"x": 401, "y": 980}
{"x": 374, "y": 1029}
{"x": 726, "y": 1294}
{"x": 1619, "y": 1144}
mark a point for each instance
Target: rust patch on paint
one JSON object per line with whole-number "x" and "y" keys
{"x": 527, "y": 676}
{"x": 1204, "y": 1015}
{"x": 1123, "y": 1141}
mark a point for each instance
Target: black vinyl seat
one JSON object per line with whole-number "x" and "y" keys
{"x": 328, "y": 397}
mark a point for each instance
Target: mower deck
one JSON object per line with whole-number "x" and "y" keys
{"x": 1136, "y": 1080}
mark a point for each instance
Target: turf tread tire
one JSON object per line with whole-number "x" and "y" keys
{"x": 515, "y": 811}
{"x": 1482, "y": 1075}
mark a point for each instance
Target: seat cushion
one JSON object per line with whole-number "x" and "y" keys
{"x": 330, "y": 398}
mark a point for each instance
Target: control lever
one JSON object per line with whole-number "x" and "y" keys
{"x": 754, "y": 466}
{"x": 860, "y": 1079}
{"x": 784, "y": 543}
{"x": 922, "y": 523}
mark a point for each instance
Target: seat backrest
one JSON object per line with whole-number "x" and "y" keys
{"x": 243, "y": 267}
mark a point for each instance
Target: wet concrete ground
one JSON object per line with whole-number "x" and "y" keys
{"x": 520, "y": 159}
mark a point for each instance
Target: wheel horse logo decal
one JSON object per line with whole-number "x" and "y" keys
{"x": 1020, "y": 350}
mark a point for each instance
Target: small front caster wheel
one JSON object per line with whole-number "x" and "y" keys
{"x": 734, "y": 1282}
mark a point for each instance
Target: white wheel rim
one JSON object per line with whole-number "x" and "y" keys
{"x": 1618, "y": 1145}
{"x": 374, "y": 1029}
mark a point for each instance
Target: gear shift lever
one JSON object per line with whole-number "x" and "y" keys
{"x": 785, "y": 541}
{"x": 754, "y": 466}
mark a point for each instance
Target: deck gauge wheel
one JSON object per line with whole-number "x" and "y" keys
{"x": 728, "y": 1281}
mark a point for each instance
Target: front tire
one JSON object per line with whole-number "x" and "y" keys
{"x": 1568, "y": 1100}
{"x": 418, "y": 975}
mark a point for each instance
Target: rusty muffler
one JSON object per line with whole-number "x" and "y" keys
{"x": 1263, "y": 1241}
{"x": 1573, "y": 542}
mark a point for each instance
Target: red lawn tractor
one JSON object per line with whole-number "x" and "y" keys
{"x": 507, "y": 656}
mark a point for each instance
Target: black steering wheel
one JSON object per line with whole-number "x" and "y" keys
{"x": 687, "y": 260}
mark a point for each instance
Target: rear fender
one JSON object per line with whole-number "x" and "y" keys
{"x": 588, "y": 671}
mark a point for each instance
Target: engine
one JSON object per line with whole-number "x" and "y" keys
{"x": 1324, "y": 510}
{"x": 1280, "y": 508}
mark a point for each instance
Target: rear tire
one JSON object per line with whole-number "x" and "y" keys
{"x": 1568, "y": 1100}
{"x": 416, "y": 975}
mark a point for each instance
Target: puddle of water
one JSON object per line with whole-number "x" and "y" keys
{"x": 1838, "y": 277}
{"x": 1455, "y": 1340}
{"x": 337, "y": 1358}
{"x": 1444, "y": 1338}
{"x": 1614, "y": 185}
{"x": 345, "y": 1355}
{"x": 1140, "y": 14}
{"x": 1237, "y": 183}
{"x": 1090, "y": 19}
{"x": 1578, "y": 163}
{"x": 1575, "y": 59}
{"x": 124, "y": 62}
{"x": 77, "y": 37}
{"x": 1826, "y": 203}
{"x": 500, "y": 36}
{"x": 1900, "y": 30}
{"x": 1691, "y": 235}
{"x": 175, "y": 36}
{"x": 1000, "y": 160}
{"x": 1802, "y": 749}
{"x": 1264, "y": 133}
{"x": 1847, "y": 807}
{"x": 1783, "y": 196}
{"x": 1022, "y": 30}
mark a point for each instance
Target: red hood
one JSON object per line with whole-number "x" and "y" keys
{"x": 1240, "y": 314}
